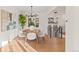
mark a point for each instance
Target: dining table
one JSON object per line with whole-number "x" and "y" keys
{"x": 37, "y": 31}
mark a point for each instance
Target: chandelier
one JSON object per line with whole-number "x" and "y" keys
{"x": 32, "y": 14}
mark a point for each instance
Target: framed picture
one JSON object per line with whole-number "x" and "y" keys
{"x": 37, "y": 22}
{"x": 33, "y": 22}
{"x": 52, "y": 20}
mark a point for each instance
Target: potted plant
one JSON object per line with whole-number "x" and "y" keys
{"x": 22, "y": 20}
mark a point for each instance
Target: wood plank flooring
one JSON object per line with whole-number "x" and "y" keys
{"x": 46, "y": 45}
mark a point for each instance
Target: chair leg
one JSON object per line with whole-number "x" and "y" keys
{"x": 37, "y": 40}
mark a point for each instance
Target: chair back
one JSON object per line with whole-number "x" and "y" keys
{"x": 31, "y": 36}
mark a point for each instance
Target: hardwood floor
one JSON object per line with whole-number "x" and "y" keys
{"x": 46, "y": 45}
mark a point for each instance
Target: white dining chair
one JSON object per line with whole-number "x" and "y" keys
{"x": 41, "y": 35}
{"x": 21, "y": 35}
{"x": 31, "y": 36}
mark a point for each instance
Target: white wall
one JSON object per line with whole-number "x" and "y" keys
{"x": 43, "y": 22}
{"x": 43, "y": 19}
{"x": 10, "y": 34}
{"x": 72, "y": 29}
{"x": 61, "y": 20}
{"x": 0, "y": 21}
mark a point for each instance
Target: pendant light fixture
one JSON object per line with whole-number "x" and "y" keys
{"x": 32, "y": 14}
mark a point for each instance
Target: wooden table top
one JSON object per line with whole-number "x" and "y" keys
{"x": 35, "y": 30}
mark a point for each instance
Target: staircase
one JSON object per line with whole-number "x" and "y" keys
{"x": 59, "y": 32}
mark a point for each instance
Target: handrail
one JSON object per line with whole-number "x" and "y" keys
{"x": 59, "y": 30}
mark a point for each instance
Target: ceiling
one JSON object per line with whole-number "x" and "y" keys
{"x": 36, "y": 9}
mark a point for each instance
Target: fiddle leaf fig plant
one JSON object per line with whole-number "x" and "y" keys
{"x": 22, "y": 20}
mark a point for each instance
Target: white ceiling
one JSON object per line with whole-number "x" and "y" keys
{"x": 37, "y": 9}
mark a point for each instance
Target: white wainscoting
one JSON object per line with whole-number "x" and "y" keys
{"x": 7, "y": 36}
